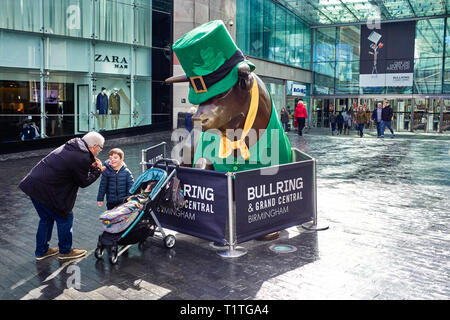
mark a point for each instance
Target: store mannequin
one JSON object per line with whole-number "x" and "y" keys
{"x": 102, "y": 108}
{"x": 114, "y": 108}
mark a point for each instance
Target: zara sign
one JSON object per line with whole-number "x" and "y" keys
{"x": 110, "y": 59}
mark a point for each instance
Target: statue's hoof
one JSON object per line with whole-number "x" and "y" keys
{"x": 270, "y": 236}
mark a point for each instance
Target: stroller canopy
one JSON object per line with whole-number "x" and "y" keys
{"x": 149, "y": 175}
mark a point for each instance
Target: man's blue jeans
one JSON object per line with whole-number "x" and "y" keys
{"x": 379, "y": 128}
{"x": 45, "y": 228}
{"x": 385, "y": 124}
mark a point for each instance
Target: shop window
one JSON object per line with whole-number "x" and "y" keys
{"x": 112, "y": 103}
{"x": 18, "y": 106}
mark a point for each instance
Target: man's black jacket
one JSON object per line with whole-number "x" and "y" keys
{"x": 55, "y": 180}
{"x": 387, "y": 113}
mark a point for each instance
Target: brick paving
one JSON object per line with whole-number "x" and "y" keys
{"x": 386, "y": 204}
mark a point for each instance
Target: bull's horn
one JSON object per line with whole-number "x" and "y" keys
{"x": 181, "y": 78}
{"x": 243, "y": 68}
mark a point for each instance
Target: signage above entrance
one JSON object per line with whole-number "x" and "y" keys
{"x": 110, "y": 59}
{"x": 295, "y": 89}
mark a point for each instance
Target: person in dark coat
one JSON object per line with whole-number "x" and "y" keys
{"x": 284, "y": 117}
{"x": 53, "y": 184}
{"x": 116, "y": 181}
{"x": 340, "y": 122}
{"x": 386, "y": 116}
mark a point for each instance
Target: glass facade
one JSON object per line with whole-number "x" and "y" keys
{"x": 67, "y": 52}
{"x": 267, "y": 30}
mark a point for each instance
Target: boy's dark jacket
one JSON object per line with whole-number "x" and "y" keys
{"x": 116, "y": 186}
{"x": 55, "y": 180}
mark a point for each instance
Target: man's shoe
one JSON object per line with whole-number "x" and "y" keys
{"x": 50, "y": 252}
{"x": 73, "y": 254}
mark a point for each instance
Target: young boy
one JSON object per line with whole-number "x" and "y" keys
{"x": 116, "y": 180}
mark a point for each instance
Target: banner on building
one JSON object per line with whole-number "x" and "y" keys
{"x": 387, "y": 55}
{"x": 267, "y": 203}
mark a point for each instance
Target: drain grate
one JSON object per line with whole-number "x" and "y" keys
{"x": 282, "y": 248}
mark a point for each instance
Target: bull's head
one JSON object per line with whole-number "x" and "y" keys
{"x": 229, "y": 109}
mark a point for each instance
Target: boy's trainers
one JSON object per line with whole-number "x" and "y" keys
{"x": 50, "y": 252}
{"x": 74, "y": 253}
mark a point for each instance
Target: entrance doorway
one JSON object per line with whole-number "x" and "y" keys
{"x": 321, "y": 112}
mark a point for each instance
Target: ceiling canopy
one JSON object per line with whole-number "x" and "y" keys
{"x": 325, "y": 12}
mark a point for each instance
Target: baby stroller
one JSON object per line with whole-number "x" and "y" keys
{"x": 135, "y": 221}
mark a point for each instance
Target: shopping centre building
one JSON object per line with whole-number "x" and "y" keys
{"x": 56, "y": 56}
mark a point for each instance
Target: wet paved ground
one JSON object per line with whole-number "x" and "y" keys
{"x": 386, "y": 203}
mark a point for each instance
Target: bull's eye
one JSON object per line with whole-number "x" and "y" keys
{"x": 223, "y": 94}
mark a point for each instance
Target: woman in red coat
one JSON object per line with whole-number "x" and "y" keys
{"x": 301, "y": 116}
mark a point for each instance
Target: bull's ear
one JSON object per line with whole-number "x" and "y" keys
{"x": 243, "y": 69}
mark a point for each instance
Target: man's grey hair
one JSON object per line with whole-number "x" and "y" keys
{"x": 94, "y": 138}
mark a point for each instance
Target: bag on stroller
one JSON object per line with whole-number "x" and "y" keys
{"x": 172, "y": 197}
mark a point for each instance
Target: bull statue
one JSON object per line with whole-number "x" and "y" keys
{"x": 240, "y": 128}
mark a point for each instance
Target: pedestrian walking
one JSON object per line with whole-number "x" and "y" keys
{"x": 116, "y": 180}
{"x": 347, "y": 122}
{"x": 291, "y": 116}
{"x": 386, "y": 117}
{"x": 301, "y": 116}
{"x": 340, "y": 122}
{"x": 377, "y": 118}
{"x": 361, "y": 120}
{"x": 284, "y": 117}
{"x": 333, "y": 122}
{"x": 52, "y": 185}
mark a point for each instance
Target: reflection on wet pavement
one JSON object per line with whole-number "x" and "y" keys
{"x": 386, "y": 203}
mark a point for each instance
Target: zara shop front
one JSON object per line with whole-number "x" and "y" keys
{"x": 71, "y": 66}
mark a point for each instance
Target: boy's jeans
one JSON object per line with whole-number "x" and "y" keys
{"x": 45, "y": 228}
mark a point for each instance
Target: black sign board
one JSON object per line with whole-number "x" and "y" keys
{"x": 267, "y": 203}
{"x": 205, "y": 212}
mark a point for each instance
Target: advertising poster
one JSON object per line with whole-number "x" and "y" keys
{"x": 387, "y": 55}
{"x": 268, "y": 203}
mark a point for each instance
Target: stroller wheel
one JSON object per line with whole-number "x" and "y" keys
{"x": 98, "y": 252}
{"x": 169, "y": 241}
{"x": 114, "y": 255}
{"x": 113, "y": 259}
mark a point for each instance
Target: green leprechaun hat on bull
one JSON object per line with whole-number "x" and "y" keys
{"x": 210, "y": 59}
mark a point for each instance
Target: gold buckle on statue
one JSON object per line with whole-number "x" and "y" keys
{"x": 195, "y": 86}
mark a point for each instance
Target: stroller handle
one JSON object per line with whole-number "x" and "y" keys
{"x": 167, "y": 162}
